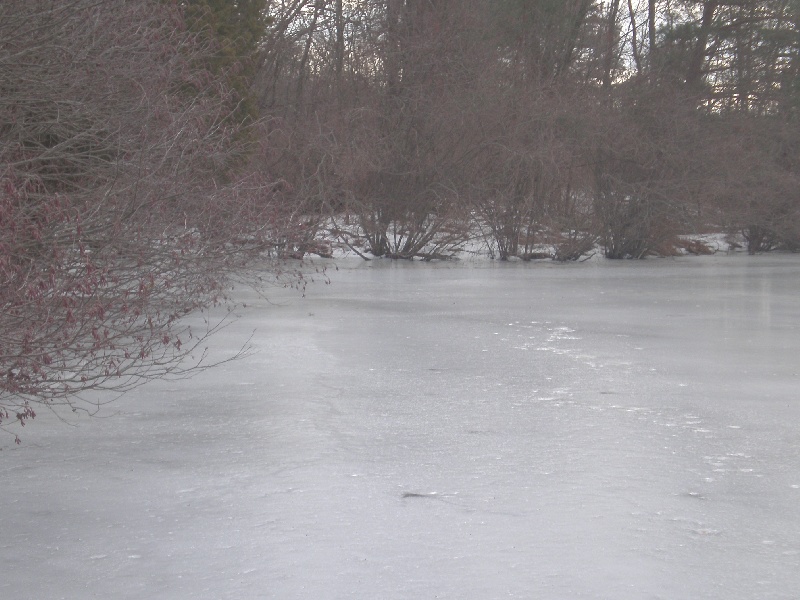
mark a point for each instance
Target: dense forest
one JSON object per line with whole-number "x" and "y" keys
{"x": 154, "y": 152}
{"x": 570, "y": 122}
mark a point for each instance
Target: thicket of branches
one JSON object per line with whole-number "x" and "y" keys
{"x": 127, "y": 199}
{"x": 566, "y": 123}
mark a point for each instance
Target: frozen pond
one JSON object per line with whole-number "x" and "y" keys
{"x": 605, "y": 430}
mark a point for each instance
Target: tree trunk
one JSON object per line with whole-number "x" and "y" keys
{"x": 694, "y": 74}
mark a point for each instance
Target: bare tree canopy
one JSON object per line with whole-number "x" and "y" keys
{"x": 119, "y": 211}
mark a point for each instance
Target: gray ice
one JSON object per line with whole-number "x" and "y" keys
{"x": 604, "y": 430}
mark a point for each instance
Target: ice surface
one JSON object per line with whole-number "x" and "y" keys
{"x": 605, "y": 430}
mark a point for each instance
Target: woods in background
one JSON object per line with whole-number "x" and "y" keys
{"x": 569, "y": 122}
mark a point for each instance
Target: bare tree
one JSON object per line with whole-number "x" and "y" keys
{"x": 119, "y": 214}
{"x": 554, "y": 122}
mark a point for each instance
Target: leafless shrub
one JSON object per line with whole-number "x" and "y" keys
{"x": 754, "y": 164}
{"x": 119, "y": 214}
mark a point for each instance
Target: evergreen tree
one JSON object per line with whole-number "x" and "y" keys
{"x": 236, "y": 29}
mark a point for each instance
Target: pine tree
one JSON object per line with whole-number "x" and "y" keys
{"x": 236, "y": 29}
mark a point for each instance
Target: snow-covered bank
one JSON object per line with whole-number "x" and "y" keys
{"x": 477, "y": 243}
{"x": 453, "y": 430}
